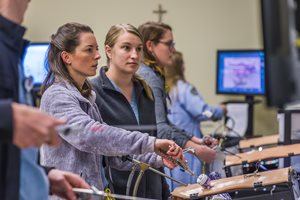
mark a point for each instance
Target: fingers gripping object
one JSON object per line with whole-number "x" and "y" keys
{"x": 182, "y": 164}
{"x": 208, "y": 141}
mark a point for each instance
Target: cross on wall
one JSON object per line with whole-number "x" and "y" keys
{"x": 160, "y": 12}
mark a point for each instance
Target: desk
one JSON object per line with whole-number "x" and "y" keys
{"x": 235, "y": 183}
{"x": 259, "y": 141}
{"x": 269, "y": 153}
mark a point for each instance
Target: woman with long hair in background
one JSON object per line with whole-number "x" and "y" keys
{"x": 186, "y": 110}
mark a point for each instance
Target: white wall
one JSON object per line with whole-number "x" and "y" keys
{"x": 200, "y": 28}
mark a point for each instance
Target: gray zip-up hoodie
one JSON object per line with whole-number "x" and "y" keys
{"x": 82, "y": 151}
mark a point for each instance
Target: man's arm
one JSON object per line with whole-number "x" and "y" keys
{"x": 6, "y": 124}
{"x": 31, "y": 127}
{"x": 62, "y": 182}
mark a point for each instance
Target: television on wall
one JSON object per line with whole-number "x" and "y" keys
{"x": 240, "y": 72}
{"x": 34, "y": 61}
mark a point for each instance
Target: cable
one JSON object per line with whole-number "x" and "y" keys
{"x": 130, "y": 178}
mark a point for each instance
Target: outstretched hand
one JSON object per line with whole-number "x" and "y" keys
{"x": 206, "y": 140}
{"x": 62, "y": 182}
{"x": 210, "y": 141}
{"x": 177, "y": 154}
{"x": 169, "y": 149}
{"x": 32, "y": 128}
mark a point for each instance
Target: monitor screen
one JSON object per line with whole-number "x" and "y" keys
{"x": 34, "y": 62}
{"x": 240, "y": 72}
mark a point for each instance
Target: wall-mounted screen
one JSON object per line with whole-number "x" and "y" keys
{"x": 240, "y": 72}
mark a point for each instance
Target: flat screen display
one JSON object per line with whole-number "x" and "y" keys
{"x": 34, "y": 62}
{"x": 240, "y": 72}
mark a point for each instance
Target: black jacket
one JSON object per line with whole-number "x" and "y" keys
{"x": 116, "y": 110}
{"x": 11, "y": 47}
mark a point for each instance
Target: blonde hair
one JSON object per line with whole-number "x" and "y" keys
{"x": 111, "y": 38}
{"x": 175, "y": 71}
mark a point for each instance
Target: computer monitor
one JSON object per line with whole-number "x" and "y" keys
{"x": 240, "y": 72}
{"x": 34, "y": 62}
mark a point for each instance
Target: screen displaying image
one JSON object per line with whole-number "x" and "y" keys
{"x": 34, "y": 62}
{"x": 240, "y": 72}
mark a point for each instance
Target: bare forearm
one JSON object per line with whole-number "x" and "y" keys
{"x": 202, "y": 152}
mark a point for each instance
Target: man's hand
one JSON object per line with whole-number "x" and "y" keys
{"x": 62, "y": 182}
{"x": 33, "y": 127}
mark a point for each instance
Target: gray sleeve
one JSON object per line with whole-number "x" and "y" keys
{"x": 165, "y": 129}
{"x": 152, "y": 159}
{"x": 94, "y": 137}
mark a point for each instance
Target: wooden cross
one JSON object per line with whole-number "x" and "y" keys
{"x": 160, "y": 12}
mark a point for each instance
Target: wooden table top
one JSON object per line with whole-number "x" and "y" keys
{"x": 259, "y": 141}
{"x": 268, "y": 153}
{"x": 235, "y": 183}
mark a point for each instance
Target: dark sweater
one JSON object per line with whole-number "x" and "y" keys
{"x": 116, "y": 110}
{"x": 11, "y": 47}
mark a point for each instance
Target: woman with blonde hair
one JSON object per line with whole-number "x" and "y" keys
{"x": 124, "y": 99}
{"x": 72, "y": 58}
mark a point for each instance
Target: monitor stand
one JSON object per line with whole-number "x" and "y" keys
{"x": 250, "y": 101}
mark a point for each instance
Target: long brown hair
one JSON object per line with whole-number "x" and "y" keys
{"x": 153, "y": 31}
{"x": 175, "y": 71}
{"x": 111, "y": 39}
{"x": 65, "y": 39}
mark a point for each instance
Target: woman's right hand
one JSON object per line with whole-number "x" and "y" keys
{"x": 170, "y": 149}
